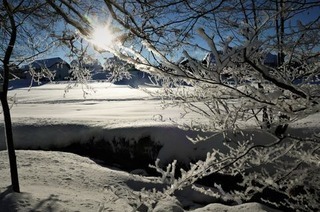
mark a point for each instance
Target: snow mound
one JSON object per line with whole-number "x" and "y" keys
{"x": 58, "y": 181}
{"x": 247, "y": 207}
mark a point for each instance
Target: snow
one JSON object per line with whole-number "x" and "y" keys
{"x": 238, "y": 208}
{"x": 106, "y": 105}
{"x": 57, "y": 181}
{"x": 48, "y": 116}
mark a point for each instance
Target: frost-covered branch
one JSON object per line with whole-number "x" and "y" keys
{"x": 244, "y": 64}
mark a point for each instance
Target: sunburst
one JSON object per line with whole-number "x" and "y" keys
{"x": 101, "y": 37}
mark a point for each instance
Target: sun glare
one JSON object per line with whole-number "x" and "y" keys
{"x": 101, "y": 37}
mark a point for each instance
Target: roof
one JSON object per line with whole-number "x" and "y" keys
{"x": 45, "y": 63}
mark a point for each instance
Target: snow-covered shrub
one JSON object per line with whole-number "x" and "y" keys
{"x": 282, "y": 174}
{"x": 261, "y": 71}
{"x": 236, "y": 87}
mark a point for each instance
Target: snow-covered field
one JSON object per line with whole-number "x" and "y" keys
{"x": 105, "y": 105}
{"x": 46, "y": 115}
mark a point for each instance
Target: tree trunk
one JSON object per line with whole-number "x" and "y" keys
{"x": 10, "y": 144}
{"x": 4, "y": 98}
{"x": 280, "y": 6}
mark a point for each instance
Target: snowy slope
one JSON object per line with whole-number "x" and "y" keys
{"x": 61, "y": 181}
{"x": 56, "y": 181}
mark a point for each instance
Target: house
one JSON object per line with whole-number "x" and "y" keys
{"x": 95, "y": 68}
{"x": 209, "y": 62}
{"x": 15, "y": 72}
{"x": 271, "y": 60}
{"x": 57, "y": 66}
{"x": 136, "y": 78}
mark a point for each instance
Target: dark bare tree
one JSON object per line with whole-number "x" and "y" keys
{"x": 26, "y": 26}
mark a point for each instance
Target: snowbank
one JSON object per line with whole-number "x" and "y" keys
{"x": 57, "y": 181}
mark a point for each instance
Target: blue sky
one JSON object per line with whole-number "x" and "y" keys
{"x": 305, "y": 17}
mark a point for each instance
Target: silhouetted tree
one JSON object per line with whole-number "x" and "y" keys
{"x": 25, "y": 29}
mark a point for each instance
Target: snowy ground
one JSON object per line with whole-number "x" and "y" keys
{"x": 105, "y": 105}
{"x": 55, "y": 181}
{"x": 46, "y": 115}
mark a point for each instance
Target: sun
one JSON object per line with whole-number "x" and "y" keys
{"x": 101, "y": 37}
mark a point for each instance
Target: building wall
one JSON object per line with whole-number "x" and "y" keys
{"x": 61, "y": 71}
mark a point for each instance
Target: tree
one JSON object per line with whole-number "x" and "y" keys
{"x": 23, "y": 23}
{"x": 235, "y": 84}
{"x": 4, "y": 101}
{"x": 149, "y": 32}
